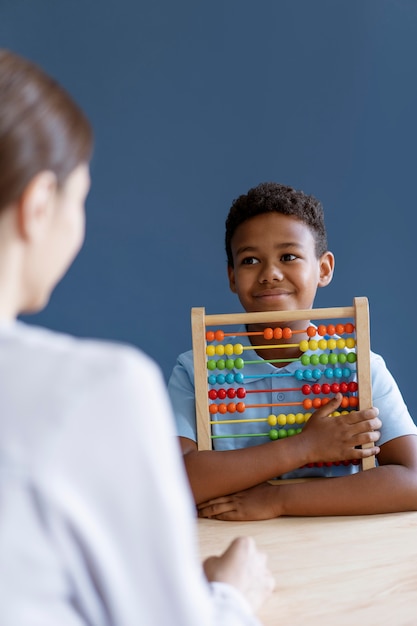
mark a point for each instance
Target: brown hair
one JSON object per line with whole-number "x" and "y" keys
{"x": 276, "y": 198}
{"x": 41, "y": 127}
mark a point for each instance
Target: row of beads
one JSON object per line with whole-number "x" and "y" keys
{"x": 325, "y": 388}
{"x": 287, "y": 333}
{"x": 239, "y": 363}
{"x": 322, "y": 344}
{"x": 308, "y": 403}
{"x": 314, "y": 374}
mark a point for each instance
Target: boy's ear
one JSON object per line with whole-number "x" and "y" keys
{"x": 35, "y": 206}
{"x": 231, "y": 274}
{"x": 326, "y": 269}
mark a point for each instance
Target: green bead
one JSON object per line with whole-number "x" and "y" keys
{"x": 351, "y": 357}
{"x": 342, "y": 357}
{"x": 314, "y": 359}
{"x": 324, "y": 358}
{"x": 239, "y": 363}
{"x": 282, "y": 433}
{"x": 333, "y": 358}
{"x": 211, "y": 365}
{"x": 305, "y": 359}
{"x": 230, "y": 364}
{"x": 273, "y": 434}
{"x": 221, "y": 364}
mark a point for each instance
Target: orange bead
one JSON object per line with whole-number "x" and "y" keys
{"x": 222, "y": 408}
{"x": 349, "y": 328}
{"x": 353, "y": 401}
{"x": 240, "y": 407}
{"x": 219, "y": 335}
{"x": 287, "y": 333}
{"x": 231, "y": 407}
{"x": 210, "y": 335}
{"x": 307, "y": 403}
{"x": 317, "y": 403}
{"x": 311, "y": 331}
{"x": 213, "y": 409}
{"x": 324, "y": 401}
{"x": 322, "y": 330}
{"x": 340, "y": 329}
{"x": 331, "y": 329}
{"x": 268, "y": 333}
{"x": 345, "y": 402}
{"x": 278, "y": 333}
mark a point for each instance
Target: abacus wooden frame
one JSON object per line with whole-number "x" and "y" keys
{"x": 359, "y": 312}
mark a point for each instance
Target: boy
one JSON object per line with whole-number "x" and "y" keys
{"x": 277, "y": 256}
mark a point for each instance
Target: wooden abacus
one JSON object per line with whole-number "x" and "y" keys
{"x": 361, "y": 396}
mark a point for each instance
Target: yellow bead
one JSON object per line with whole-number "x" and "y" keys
{"x": 322, "y": 344}
{"x": 210, "y": 351}
{"x": 340, "y": 343}
{"x": 228, "y": 349}
{"x": 312, "y": 344}
{"x": 331, "y": 344}
{"x": 281, "y": 419}
{"x": 238, "y": 348}
{"x": 220, "y": 350}
{"x": 307, "y": 416}
{"x": 350, "y": 342}
{"x": 290, "y": 418}
{"x": 303, "y": 345}
{"x": 272, "y": 420}
{"x": 299, "y": 418}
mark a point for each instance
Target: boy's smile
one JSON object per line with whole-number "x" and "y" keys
{"x": 275, "y": 264}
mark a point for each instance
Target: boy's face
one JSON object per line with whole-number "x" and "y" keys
{"x": 275, "y": 264}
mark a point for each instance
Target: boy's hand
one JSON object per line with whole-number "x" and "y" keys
{"x": 336, "y": 438}
{"x": 257, "y": 503}
{"x": 243, "y": 566}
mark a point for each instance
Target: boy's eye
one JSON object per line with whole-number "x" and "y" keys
{"x": 288, "y": 257}
{"x": 249, "y": 260}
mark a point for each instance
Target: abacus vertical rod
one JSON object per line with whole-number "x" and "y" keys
{"x": 363, "y": 354}
{"x": 198, "y": 327}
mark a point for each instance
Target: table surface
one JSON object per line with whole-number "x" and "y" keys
{"x": 332, "y": 571}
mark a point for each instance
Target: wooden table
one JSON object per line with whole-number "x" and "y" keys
{"x": 334, "y": 571}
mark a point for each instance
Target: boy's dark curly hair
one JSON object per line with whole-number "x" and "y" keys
{"x": 277, "y": 198}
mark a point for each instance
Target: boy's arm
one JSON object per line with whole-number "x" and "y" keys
{"x": 324, "y": 438}
{"x": 390, "y": 487}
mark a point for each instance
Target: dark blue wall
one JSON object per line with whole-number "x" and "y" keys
{"x": 195, "y": 102}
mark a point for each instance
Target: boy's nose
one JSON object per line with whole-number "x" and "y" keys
{"x": 270, "y": 273}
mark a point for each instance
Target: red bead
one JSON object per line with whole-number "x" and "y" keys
{"x": 316, "y": 388}
{"x": 343, "y": 387}
{"x": 306, "y": 389}
{"x": 325, "y": 388}
{"x": 221, "y": 394}
{"x": 241, "y": 392}
{"x": 231, "y": 393}
{"x": 353, "y": 386}
{"x": 335, "y": 387}
{"x": 212, "y": 394}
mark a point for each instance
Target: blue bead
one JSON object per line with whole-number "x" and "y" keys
{"x": 212, "y": 379}
{"x": 230, "y": 378}
{"x": 308, "y": 375}
{"x": 239, "y": 377}
{"x": 221, "y": 379}
{"x": 338, "y": 372}
{"x": 299, "y": 374}
{"x": 328, "y": 372}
